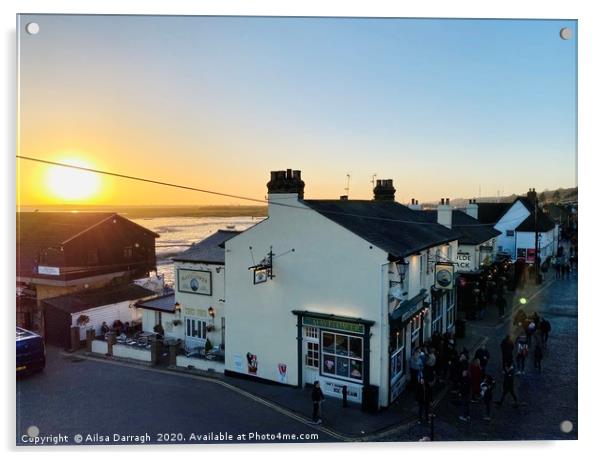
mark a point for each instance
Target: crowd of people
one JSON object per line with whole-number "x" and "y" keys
{"x": 471, "y": 378}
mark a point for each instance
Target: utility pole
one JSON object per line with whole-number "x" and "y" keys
{"x": 537, "y": 275}
{"x": 347, "y": 187}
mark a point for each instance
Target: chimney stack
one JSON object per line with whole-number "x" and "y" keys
{"x": 384, "y": 190}
{"x": 288, "y": 181}
{"x": 444, "y": 213}
{"x": 415, "y": 206}
{"x": 472, "y": 209}
{"x": 532, "y": 196}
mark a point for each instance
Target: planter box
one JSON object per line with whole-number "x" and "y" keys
{"x": 125, "y": 351}
{"x": 200, "y": 364}
{"x": 100, "y": 347}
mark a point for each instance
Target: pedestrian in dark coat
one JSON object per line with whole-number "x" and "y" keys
{"x": 482, "y": 354}
{"x": 545, "y": 329}
{"x": 476, "y": 377}
{"x": 465, "y": 396}
{"x": 507, "y": 348}
{"x": 508, "y": 386}
{"x": 317, "y": 397}
{"x": 423, "y": 395}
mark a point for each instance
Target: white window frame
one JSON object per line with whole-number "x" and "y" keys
{"x": 399, "y": 348}
{"x": 315, "y": 357}
{"x": 437, "y": 316}
{"x": 450, "y": 311}
{"x": 194, "y": 321}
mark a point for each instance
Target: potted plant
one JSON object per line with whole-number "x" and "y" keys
{"x": 176, "y": 322}
{"x": 208, "y": 346}
{"x": 210, "y": 327}
{"x": 83, "y": 320}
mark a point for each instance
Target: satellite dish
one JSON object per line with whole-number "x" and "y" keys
{"x": 397, "y": 293}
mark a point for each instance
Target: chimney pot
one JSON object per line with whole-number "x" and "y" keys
{"x": 344, "y": 197}
{"x": 288, "y": 181}
{"x": 384, "y": 190}
{"x": 447, "y": 201}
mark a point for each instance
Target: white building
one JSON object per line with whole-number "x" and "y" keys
{"x": 476, "y": 241}
{"x": 338, "y": 291}
{"x": 516, "y": 223}
{"x": 195, "y": 312}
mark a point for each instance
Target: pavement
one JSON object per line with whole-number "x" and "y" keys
{"x": 80, "y": 393}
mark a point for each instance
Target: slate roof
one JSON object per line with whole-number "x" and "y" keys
{"x": 210, "y": 250}
{"x": 471, "y": 231}
{"x": 544, "y": 223}
{"x": 84, "y": 300}
{"x": 490, "y": 213}
{"x": 164, "y": 303}
{"x": 388, "y": 225}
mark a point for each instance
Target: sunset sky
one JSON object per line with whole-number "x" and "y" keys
{"x": 443, "y": 107}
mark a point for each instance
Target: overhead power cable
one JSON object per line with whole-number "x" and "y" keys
{"x": 238, "y": 197}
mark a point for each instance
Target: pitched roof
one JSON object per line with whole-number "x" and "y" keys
{"x": 490, "y": 213}
{"x": 471, "y": 231}
{"x": 388, "y": 225}
{"x": 544, "y": 223}
{"x": 84, "y": 300}
{"x": 38, "y": 231}
{"x": 209, "y": 250}
{"x": 165, "y": 303}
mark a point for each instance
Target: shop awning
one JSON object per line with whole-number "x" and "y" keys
{"x": 408, "y": 307}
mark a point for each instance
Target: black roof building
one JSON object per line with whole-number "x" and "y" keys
{"x": 210, "y": 250}
{"x": 470, "y": 230}
{"x": 388, "y": 225}
{"x": 490, "y": 213}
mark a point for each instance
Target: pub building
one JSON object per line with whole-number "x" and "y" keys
{"x": 476, "y": 253}
{"x": 338, "y": 291}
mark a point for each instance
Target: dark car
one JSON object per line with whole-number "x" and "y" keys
{"x": 31, "y": 352}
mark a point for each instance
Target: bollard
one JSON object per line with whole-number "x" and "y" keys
{"x": 344, "y": 395}
{"x": 173, "y": 349}
{"x": 110, "y": 341}
{"x": 75, "y": 342}
{"x": 154, "y": 351}
{"x": 90, "y": 336}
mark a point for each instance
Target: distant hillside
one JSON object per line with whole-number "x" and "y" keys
{"x": 547, "y": 196}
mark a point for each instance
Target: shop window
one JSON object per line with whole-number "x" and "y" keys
{"x": 342, "y": 356}
{"x": 521, "y": 253}
{"x": 451, "y": 312}
{"x": 437, "y": 316}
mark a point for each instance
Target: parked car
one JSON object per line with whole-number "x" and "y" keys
{"x": 31, "y": 352}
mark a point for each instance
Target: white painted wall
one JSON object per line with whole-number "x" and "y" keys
{"x": 509, "y": 221}
{"x": 547, "y": 242}
{"x": 197, "y": 305}
{"x": 109, "y": 313}
{"x": 100, "y": 347}
{"x": 343, "y": 278}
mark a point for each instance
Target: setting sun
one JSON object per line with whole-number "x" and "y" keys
{"x": 72, "y": 184}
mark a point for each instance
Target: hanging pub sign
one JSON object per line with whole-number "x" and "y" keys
{"x": 444, "y": 276}
{"x": 263, "y": 270}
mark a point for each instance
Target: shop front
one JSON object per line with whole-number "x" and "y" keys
{"x": 334, "y": 350}
{"x": 407, "y": 331}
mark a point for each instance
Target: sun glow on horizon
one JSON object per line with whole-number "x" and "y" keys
{"x": 72, "y": 184}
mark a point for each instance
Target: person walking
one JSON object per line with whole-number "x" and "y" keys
{"x": 508, "y": 386}
{"x": 507, "y": 348}
{"x": 415, "y": 368}
{"x": 476, "y": 377}
{"x": 423, "y": 395}
{"x": 522, "y": 349}
{"x": 317, "y": 397}
{"x": 465, "y": 396}
{"x": 482, "y": 354}
{"x": 487, "y": 395}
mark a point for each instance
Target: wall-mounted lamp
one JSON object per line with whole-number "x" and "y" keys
{"x": 178, "y": 309}
{"x": 211, "y": 312}
{"x": 218, "y": 269}
{"x": 402, "y": 268}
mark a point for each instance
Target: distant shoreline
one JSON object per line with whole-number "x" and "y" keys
{"x": 138, "y": 212}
